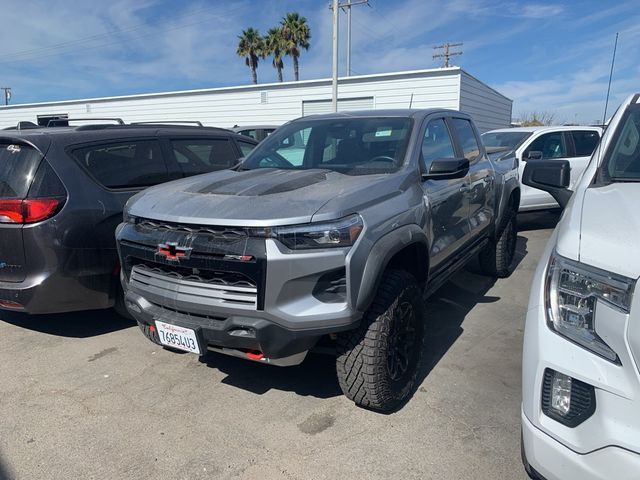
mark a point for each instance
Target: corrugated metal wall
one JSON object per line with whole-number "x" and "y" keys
{"x": 279, "y": 103}
{"x": 489, "y": 109}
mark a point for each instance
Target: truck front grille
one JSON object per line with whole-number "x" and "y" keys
{"x": 171, "y": 287}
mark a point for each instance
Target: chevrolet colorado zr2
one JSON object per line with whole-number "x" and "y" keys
{"x": 346, "y": 238}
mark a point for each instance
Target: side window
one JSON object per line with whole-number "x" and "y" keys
{"x": 551, "y": 145}
{"x": 203, "y": 155}
{"x": 467, "y": 138}
{"x": 292, "y": 149}
{"x": 250, "y": 133}
{"x": 129, "y": 164}
{"x": 245, "y": 147}
{"x": 585, "y": 142}
{"x": 436, "y": 143}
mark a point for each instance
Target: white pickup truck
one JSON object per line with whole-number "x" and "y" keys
{"x": 581, "y": 358}
{"x": 573, "y": 143}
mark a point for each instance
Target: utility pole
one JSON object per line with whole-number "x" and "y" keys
{"x": 7, "y": 94}
{"x": 334, "y": 83}
{"x": 347, "y": 7}
{"x": 446, "y": 53}
{"x": 335, "y": 5}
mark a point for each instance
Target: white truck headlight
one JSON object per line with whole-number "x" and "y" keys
{"x": 573, "y": 291}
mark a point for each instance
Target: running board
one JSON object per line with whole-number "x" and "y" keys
{"x": 451, "y": 269}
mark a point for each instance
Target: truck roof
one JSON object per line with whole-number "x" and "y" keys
{"x": 396, "y": 112}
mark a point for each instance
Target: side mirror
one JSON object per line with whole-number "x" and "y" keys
{"x": 533, "y": 155}
{"x": 552, "y": 176}
{"x": 446, "y": 168}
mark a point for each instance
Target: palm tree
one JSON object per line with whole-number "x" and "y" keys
{"x": 274, "y": 45}
{"x": 296, "y": 34}
{"x": 251, "y": 47}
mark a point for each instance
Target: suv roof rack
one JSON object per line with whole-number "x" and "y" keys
{"x": 65, "y": 121}
{"x": 24, "y": 125}
{"x": 171, "y": 122}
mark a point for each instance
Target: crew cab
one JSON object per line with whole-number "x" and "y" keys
{"x": 379, "y": 209}
{"x": 581, "y": 355}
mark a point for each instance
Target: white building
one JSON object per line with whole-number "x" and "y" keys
{"x": 277, "y": 103}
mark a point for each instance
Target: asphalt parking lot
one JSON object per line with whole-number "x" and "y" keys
{"x": 85, "y": 395}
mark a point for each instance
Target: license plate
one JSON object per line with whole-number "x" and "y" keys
{"x": 178, "y": 337}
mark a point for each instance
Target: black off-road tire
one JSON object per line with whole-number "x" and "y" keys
{"x": 369, "y": 363}
{"x": 497, "y": 258}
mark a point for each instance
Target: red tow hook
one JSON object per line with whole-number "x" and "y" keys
{"x": 255, "y": 355}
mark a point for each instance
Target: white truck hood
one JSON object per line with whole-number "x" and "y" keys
{"x": 610, "y": 228}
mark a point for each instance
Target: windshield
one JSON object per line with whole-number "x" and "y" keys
{"x": 624, "y": 160}
{"x": 353, "y": 146}
{"x": 504, "y": 140}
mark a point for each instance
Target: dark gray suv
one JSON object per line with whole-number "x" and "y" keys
{"x": 62, "y": 191}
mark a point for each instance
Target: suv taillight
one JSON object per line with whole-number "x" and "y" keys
{"x": 29, "y": 210}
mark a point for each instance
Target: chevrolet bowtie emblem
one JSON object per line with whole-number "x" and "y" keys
{"x": 171, "y": 251}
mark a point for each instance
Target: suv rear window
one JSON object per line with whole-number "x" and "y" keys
{"x": 18, "y": 164}
{"x": 131, "y": 164}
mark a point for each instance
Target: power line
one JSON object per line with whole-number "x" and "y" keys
{"x": 446, "y": 54}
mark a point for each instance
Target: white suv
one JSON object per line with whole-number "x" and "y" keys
{"x": 573, "y": 143}
{"x": 581, "y": 357}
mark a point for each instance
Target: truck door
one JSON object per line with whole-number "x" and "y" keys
{"x": 445, "y": 199}
{"x": 481, "y": 194}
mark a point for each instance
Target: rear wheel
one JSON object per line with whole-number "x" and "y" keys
{"x": 377, "y": 362}
{"x": 497, "y": 258}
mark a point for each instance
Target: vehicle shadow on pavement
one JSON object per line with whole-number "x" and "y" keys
{"x": 90, "y": 323}
{"x": 315, "y": 377}
{"x": 447, "y": 309}
{"x": 4, "y": 470}
{"x": 542, "y": 220}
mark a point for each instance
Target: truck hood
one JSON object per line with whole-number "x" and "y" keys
{"x": 260, "y": 197}
{"x": 610, "y": 228}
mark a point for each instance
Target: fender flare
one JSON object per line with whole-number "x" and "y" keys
{"x": 379, "y": 256}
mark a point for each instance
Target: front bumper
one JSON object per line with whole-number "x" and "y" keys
{"x": 551, "y": 460}
{"x": 273, "y": 301}
{"x": 234, "y": 334}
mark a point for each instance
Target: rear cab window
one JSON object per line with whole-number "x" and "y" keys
{"x": 124, "y": 164}
{"x": 18, "y": 165}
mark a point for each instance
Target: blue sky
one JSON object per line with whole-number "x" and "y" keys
{"x": 549, "y": 56}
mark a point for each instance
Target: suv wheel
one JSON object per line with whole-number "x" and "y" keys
{"x": 377, "y": 362}
{"x": 497, "y": 258}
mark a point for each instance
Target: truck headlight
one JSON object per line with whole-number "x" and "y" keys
{"x": 573, "y": 291}
{"x": 339, "y": 233}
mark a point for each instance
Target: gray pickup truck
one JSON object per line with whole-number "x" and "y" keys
{"x": 335, "y": 226}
